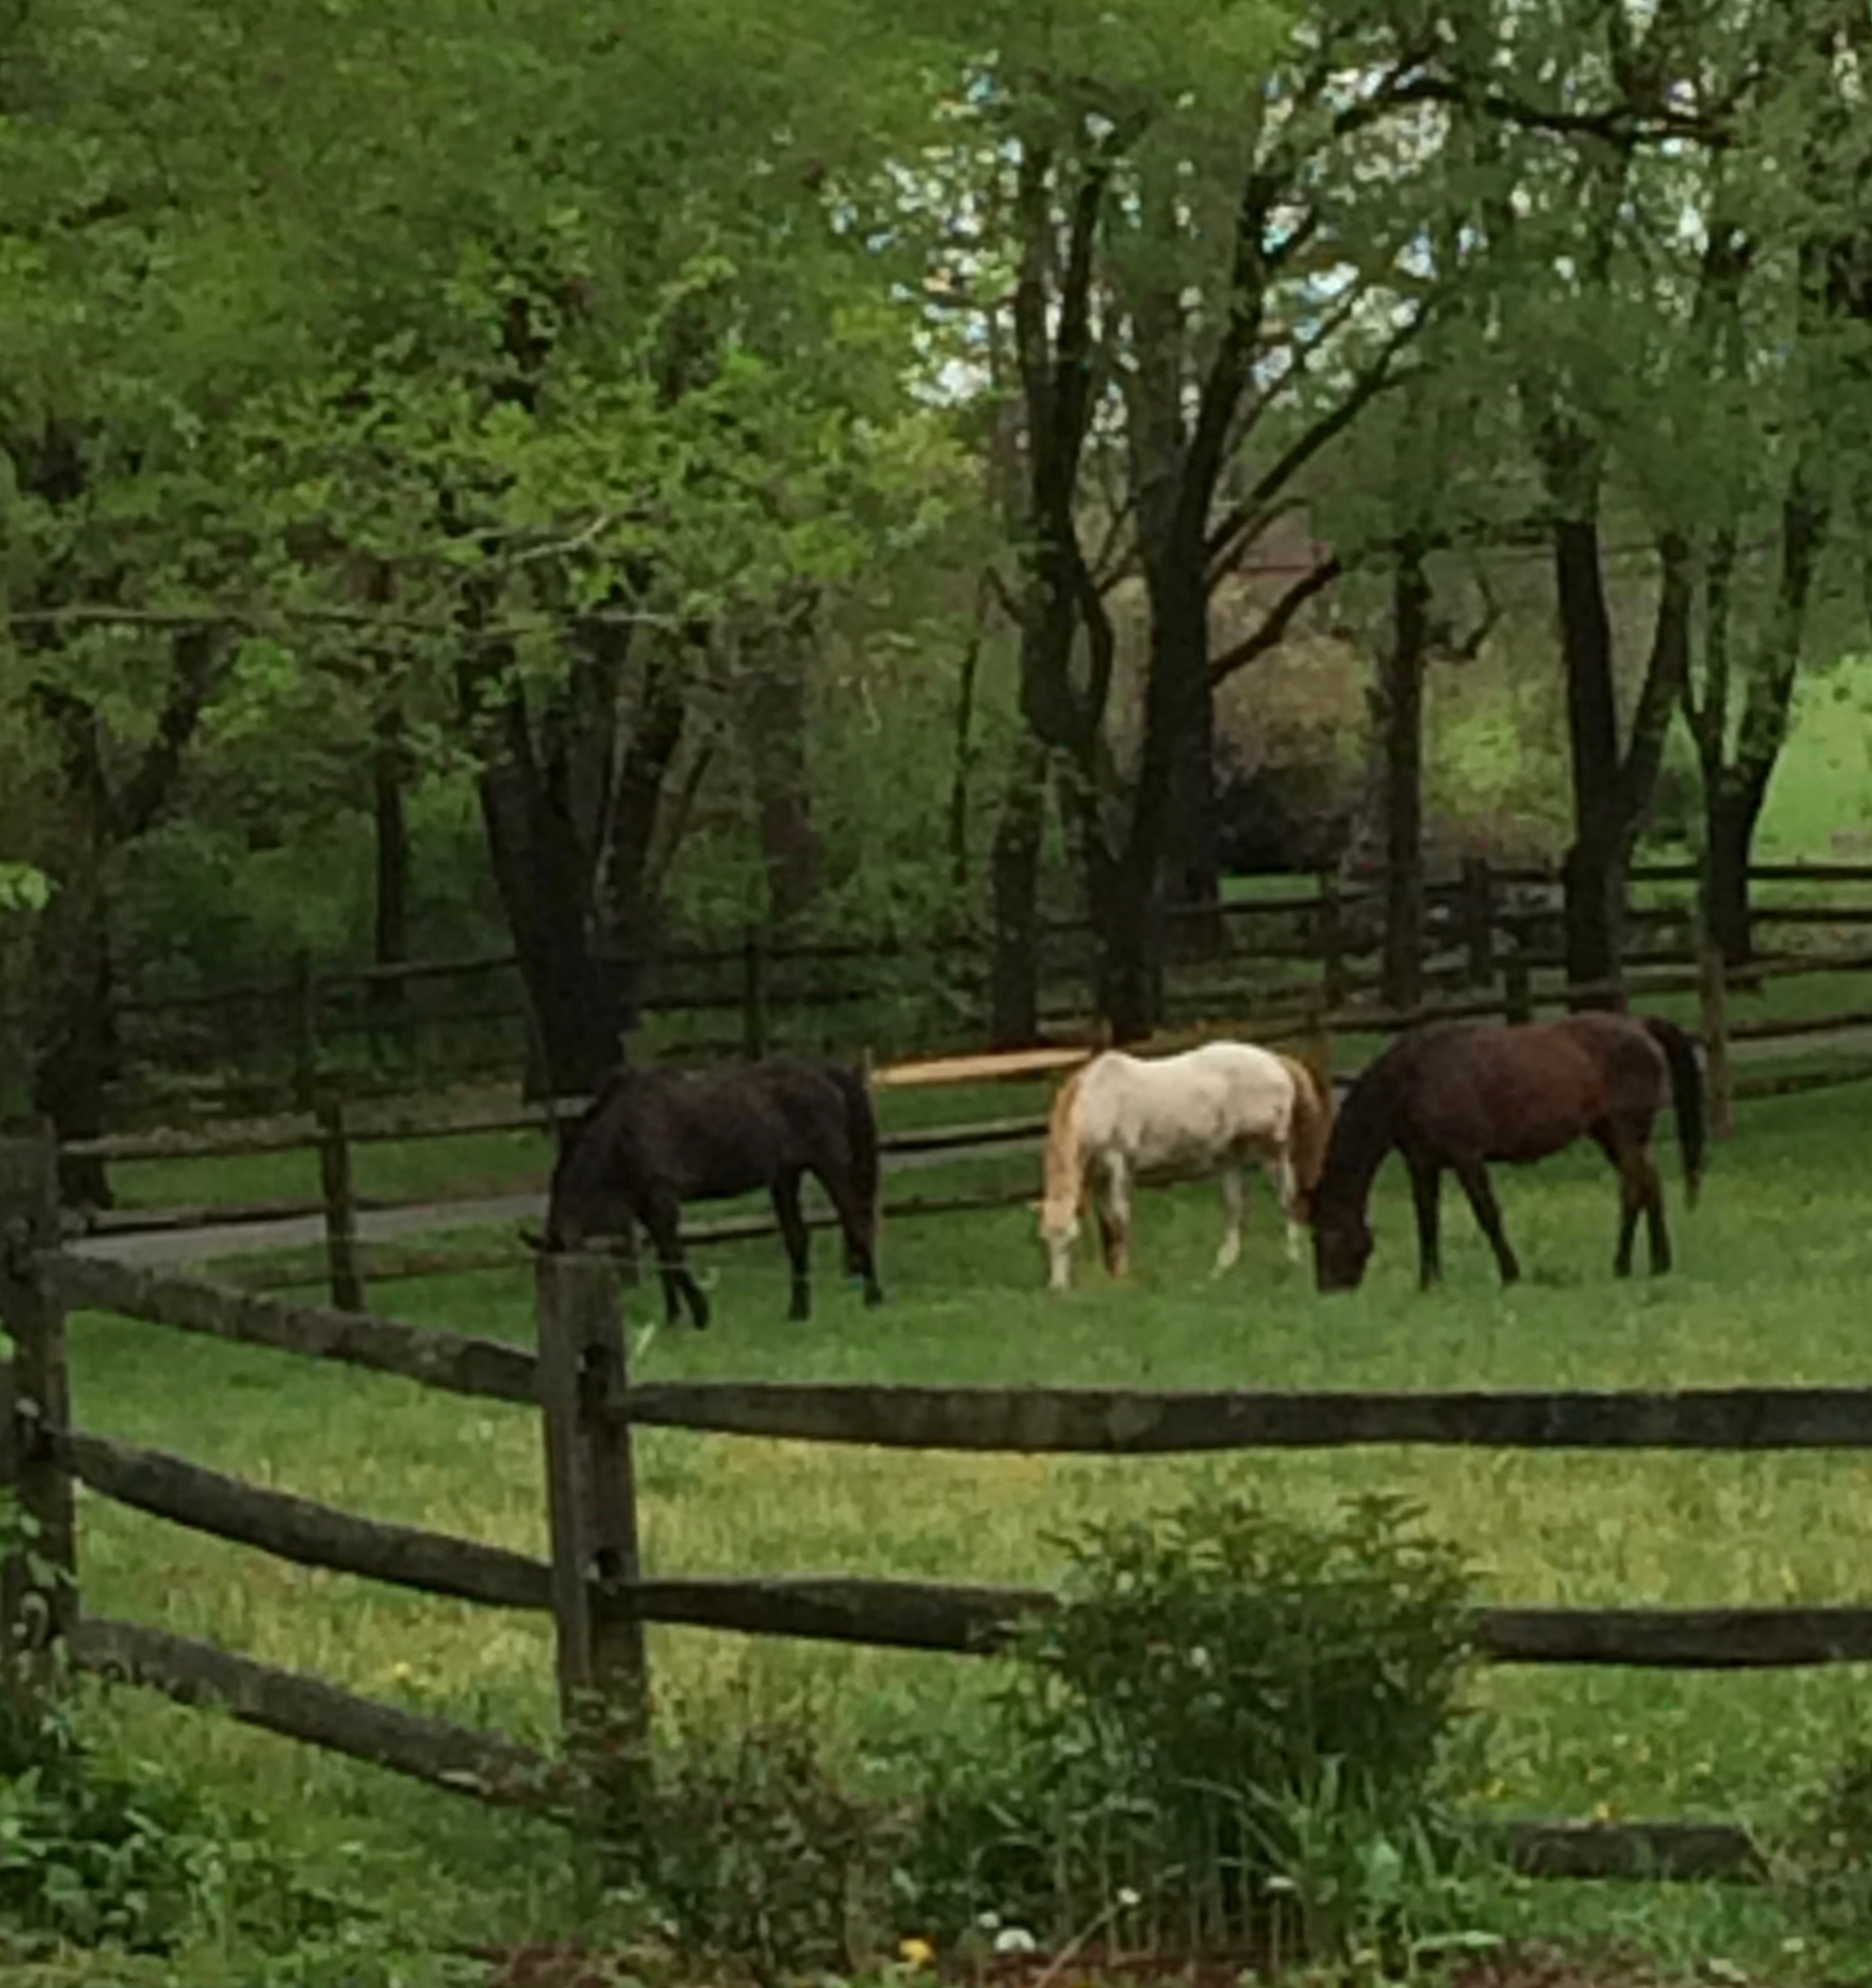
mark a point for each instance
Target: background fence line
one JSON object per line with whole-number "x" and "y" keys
{"x": 1483, "y": 923}
{"x": 334, "y": 1128}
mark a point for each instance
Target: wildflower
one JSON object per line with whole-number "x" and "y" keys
{"x": 915, "y": 1953}
{"x": 400, "y": 1673}
{"x": 990, "y": 1922}
{"x": 1014, "y": 1939}
{"x": 1127, "y": 1899}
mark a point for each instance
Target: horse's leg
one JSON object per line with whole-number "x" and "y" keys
{"x": 1650, "y": 1189}
{"x": 1638, "y": 1193}
{"x": 1481, "y": 1192}
{"x": 799, "y": 1243}
{"x": 1287, "y": 1185}
{"x": 1115, "y": 1216}
{"x": 663, "y": 1218}
{"x": 855, "y": 1223}
{"x": 1234, "y": 1188}
{"x": 1426, "y": 1183}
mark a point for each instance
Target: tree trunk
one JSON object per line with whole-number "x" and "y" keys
{"x": 1179, "y": 719}
{"x": 1014, "y": 979}
{"x": 1594, "y": 872}
{"x": 962, "y": 772}
{"x": 1730, "y": 813}
{"x": 1401, "y": 728}
{"x": 1192, "y": 870}
{"x": 75, "y": 1037}
{"x": 1593, "y": 879}
{"x": 777, "y": 721}
{"x": 543, "y": 869}
{"x": 389, "y": 772}
{"x": 1129, "y": 939}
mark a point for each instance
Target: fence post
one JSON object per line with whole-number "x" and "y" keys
{"x": 753, "y": 995}
{"x": 592, "y": 1500}
{"x": 304, "y": 1031}
{"x": 39, "y": 1575}
{"x": 1517, "y": 987}
{"x": 343, "y": 1257}
{"x": 1331, "y": 930}
{"x": 1315, "y": 1042}
{"x": 1478, "y": 889}
{"x": 1713, "y": 1003}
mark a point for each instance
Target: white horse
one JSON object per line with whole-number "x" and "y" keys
{"x": 1211, "y": 1109}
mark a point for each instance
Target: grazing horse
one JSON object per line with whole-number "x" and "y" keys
{"x": 652, "y": 1140}
{"x": 1211, "y": 1109}
{"x": 1455, "y": 1097}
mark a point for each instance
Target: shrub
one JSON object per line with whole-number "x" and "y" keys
{"x": 1232, "y": 1717}
{"x": 755, "y": 1850}
{"x": 1822, "y": 1865}
{"x": 95, "y": 1853}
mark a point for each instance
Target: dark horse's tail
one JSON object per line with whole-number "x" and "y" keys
{"x": 1686, "y": 1087}
{"x": 861, "y": 1129}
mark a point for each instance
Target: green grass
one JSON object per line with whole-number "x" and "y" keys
{"x": 1770, "y": 1288}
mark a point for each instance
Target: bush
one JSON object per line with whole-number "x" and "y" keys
{"x": 1236, "y": 1729}
{"x": 1822, "y": 1865}
{"x": 92, "y": 1853}
{"x": 753, "y": 1850}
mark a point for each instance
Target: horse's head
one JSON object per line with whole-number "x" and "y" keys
{"x": 1058, "y": 1232}
{"x": 1341, "y": 1247}
{"x": 585, "y": 1196}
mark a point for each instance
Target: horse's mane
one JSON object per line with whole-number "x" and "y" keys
{"x": 572, "y": 1131}
{"x": 1363, "y": 1132}
{"x": 1065, "y": 1177}
{"x": 1312, "y": 1122}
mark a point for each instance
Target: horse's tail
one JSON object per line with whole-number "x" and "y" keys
{"x": 1686, "y": 1090}
{"x": 1065, "y": 1182}
{"x": 1312, "y": 1123}
{"x": 860, "y": 1122}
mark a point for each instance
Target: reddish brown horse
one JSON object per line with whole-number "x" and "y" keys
{"x": 1453, "y": 1098}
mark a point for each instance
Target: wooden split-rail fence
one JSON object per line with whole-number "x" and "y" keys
{"x": 576, "y": 1380}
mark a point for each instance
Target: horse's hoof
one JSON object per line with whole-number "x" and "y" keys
{"x": 797, "y": 1313}
{"x": 874, "y": 1296}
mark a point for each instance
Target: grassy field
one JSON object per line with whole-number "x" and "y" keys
{"x": 1773, "y": 1271}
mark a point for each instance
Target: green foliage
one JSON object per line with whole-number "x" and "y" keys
{"x": 755, "y": 1852}
{"x": 1822, "y": 1860}
{"x": 1239, "y": 1726}
{"x": 94, "y": 1853}
{"x": 23, "y": 888}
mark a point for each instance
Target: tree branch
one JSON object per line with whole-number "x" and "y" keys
{"x": 1666, "y": 672}
{"x": 134, "y": 813}
{"x": 1366, "y": 386}
{"x": 1279, "y": 619}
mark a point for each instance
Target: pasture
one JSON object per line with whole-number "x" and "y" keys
{"x": 1770, "y": 1288}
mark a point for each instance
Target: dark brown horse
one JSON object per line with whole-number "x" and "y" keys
{"x": 1456, "y": 1097}
{"x": 652, "y": 1140}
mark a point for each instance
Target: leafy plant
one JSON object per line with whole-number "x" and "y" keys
{"x": 755, "y": 1850}
{"x": 1822, "y": 1865}
{"x": 1234, "y": 1723}
{"x": 94, "y": 1853}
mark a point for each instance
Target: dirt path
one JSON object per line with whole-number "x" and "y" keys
{"x": 168, "y": 1249}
